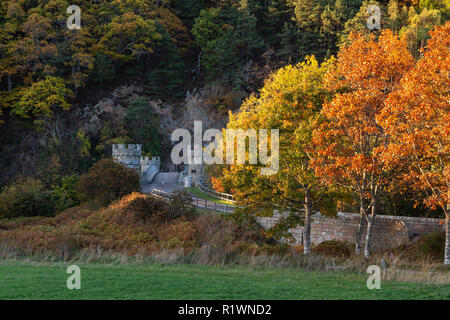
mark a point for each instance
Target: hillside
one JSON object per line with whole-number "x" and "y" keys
{"x": 66, "y": 95}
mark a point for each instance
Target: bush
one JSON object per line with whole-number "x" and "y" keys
{"x": 148, "y": 208}
{"x": 107, "y": 181}
{"x": 333, "y": 248}
{"x": 181, "y": 202}
{"x": 65, "y": 196}
{"x": 432, "y": 244}
{"x": 206, "y": 238}
{"x": 26, "y": 197}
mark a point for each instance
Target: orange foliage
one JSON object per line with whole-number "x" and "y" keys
{"x": 350, "y": 139}
{"x": 350, "y": 144}
{"x": 217, "y": 184}
{"x": 417, "y": 116}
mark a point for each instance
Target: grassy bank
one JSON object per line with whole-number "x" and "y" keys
{"x": 199, "y": 193}
{"x": 22, "y": 280}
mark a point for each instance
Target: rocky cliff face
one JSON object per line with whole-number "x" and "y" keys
{"x": 199, "y": 105}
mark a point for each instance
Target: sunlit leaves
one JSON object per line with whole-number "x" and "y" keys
{"x": 129, "y": 36}
{"x": 43, "y": 97}
{"x": 348, "y": 142}
{"x": 290, "y": 101}
{"x": 417, "y": 117}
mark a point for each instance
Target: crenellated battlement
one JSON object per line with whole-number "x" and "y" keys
{"x": 131, "y": 156}
{"x": 149, "y": 161}
{"x": 148, "y": 164}
{"x": 127, "y": 152}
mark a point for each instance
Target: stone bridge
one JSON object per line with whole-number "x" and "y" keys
{"x": 165, "y": 181}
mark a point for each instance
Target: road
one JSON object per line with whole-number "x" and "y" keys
{"x": 165, "y": 181}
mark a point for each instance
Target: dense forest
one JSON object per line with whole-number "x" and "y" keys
{"x": 50, "y": 75}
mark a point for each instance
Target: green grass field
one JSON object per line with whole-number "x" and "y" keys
{"x": 154, "y": 281}
{"x": 199, "y": 193}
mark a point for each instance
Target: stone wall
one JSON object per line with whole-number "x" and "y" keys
{"x": 388, "y": 231}
{"x": 150, "y": 164}
{"x": 130, "y": 156}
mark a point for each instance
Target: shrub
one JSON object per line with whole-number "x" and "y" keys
{"x": 120, "y": 228}
{"x": 179, "y": 233}
{"x": 333, "y": 248}
{"x": 181, "y": 203}
{"x": 147, "y": 208}
{"x": 432, "y": 244}
{"x": 65, "y": 196}
{"x": 26, "y": 197}
{"x": 107, "y": 181}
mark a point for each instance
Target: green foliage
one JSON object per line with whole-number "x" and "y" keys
{"x": 442, "y": 5}
{"x": 104, "y": 69}
{"x": 358, "y": 23}
{"x": 85, "y": 144}
{"x": 188, "y": 10}
{"x": 221, "y": 59}
{"x": 181, "y": 202}
{"x": 26, "y": 197}
{"x": 432, "y": 244}
{"x": 113, "y": 131}
{"x": 416, "y": 32}
{"x": 227, "y": 38}
{"x": 43, "y": 97}
{"x": 142, "y": 125}
{"x": 167, "y": 77}
{"x": 129, "y": 36}
{"x": 397, "y": 16}
{"x": 65, "y": 194}
{"x": 205, "y": 28}
{"x": 290, "y": 101}
{"x": 107, "y": 181}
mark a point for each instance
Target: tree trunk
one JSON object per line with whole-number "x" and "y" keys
{"x": 360, "y": 227}
{"x": 307, "y": 226}
{"x": 9, "y": 83}
{"x": 370, "y": 221}
{"x": 359, "y": 235}
{"x": 447, "y": 239}
{"x": 447, "y": 232}
{"x": 368, "y": 234}
{"x": 198, "y": 62}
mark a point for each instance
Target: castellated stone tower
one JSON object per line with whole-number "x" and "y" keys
{"x": 147, "y": 163}
{"x": 131, "y": 156}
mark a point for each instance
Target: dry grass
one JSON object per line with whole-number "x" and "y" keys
{"x": 117, "y": 228}
{"x": 116, "y": 235}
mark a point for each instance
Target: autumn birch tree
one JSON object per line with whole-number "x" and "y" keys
{"x": 290, "y": 101}
{"x": 350, "y": 141}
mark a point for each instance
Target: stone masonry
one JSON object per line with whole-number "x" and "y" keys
{"x": 388, "y": 231}
{"x": 131, "y": 156}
